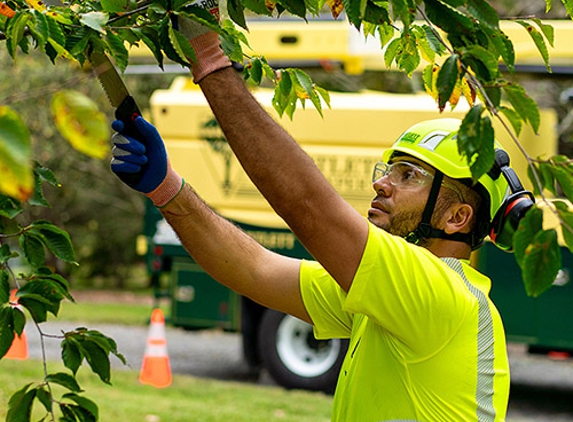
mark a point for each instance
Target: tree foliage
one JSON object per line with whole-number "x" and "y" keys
{"x": 459, "y": 42}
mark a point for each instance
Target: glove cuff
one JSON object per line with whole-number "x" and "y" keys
{"x": 210, "y": 56}
{"x": 167, "y": 190}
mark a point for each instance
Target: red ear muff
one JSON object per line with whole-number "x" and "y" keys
{"x": 507, "y": 219}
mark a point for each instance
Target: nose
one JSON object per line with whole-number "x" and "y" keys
{"x": 382, "y": 186}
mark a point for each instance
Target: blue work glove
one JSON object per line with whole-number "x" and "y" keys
{"x": 143, "y": 164}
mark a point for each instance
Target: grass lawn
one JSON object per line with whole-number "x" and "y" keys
{"x": 187, "y": 399}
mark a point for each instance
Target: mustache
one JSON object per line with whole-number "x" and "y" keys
{"x": 381, "y": 202}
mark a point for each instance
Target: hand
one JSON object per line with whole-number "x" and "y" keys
{"x": 143, "y": 164}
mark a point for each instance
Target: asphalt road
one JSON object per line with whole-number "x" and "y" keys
{"x": 541, "y": 390}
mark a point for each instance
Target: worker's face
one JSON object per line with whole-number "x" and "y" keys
{"x": 402, "y": 190}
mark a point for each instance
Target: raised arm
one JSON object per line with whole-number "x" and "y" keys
{"x": 223, "y": 250}
{"x": 333, "y": 232}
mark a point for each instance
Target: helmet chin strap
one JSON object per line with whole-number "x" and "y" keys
{"x": 425, "y": 230}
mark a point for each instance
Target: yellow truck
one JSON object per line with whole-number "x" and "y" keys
{"x": 345, "y": 144}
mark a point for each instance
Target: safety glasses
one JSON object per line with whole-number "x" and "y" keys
{"x": 402, "y": 173}
{"x": 406, "y": 174}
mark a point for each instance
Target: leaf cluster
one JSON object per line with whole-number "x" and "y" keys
{"x": 40, "y": 291}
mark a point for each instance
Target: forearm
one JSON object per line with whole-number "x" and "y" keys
{"x": 233, "y": 258}
{"x": 328, "y": 226}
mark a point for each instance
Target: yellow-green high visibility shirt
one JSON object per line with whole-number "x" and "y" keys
{"x": 426, "y": 342}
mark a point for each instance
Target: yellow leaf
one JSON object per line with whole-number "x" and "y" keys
{"x": 468, "y": 92}
{"x": 81, "y": 123}
{"x": 430, "y": 76}
{"x": 336, "y": 7}
{"x": 17, "y": 178}
{"x": 456, "y": 94}
{"x": 37, "y": 5}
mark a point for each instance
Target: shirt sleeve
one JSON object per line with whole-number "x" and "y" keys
{"x": 409, "y": 292}
{"x": 323, "y": 299}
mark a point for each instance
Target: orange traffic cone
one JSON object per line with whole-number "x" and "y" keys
{"x": 19, "y": 348}
{"x": 155, "y": 369}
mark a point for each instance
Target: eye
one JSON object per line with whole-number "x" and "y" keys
{"x": 409, "y": 174}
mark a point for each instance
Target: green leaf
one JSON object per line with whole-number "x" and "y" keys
{"x": 459, "y": 27}
{"x": 563, "y": 173}
{"x": 407, "y": 56}
{"x": 39, "y": 28}
{"x": 285, "y": 83}
{"x": 65, "y": 380}
{"x": 15, "y": 30}
{"x": 71, "y": 353}
{"x": 423, "y": 44}
{"x": 20, "y": 405}
{"x": 118, "y": 50}
{"x": 542, "y": 262}
{"x": 237, "y": 12}
{"x": 57, "y": 240}
{"x": 150, "y": 37}
{"x": 528, "y": 227}
{"x": 485, "y": 58}
{"x": 256, "y": 71}
{"x": 9, "y": 207}
{"x": 296, "y": 7}
{"x": 84, "y": 403}
{"x": 95, "y": 20}
{"x": 37, "y": 307}
{"x": 33, "y": 249}
{"x": 4, "y": 279}
{"x": 484, "y": 12}
{"x": 114, "y": 6}
{"x": 476, "y": 141}
{"x": 97, "y": 359}
{"x": 568, "y": 6}
{"x": 306, "y": 83}
{"x": 257, "y": 6}
{"x": 391, "y": 51}
{"x": 181, "y": 46}
{"x": 539, "y": 42}
{"x": 15, "y": 150}
{"x": 566, "y": 214}
{"x": 385, "y": 33}
{"x": 81, "y": 123}
{"x": 504, "y": 47}
{"x": 19, "y": 321}
{"x": 513, "y": 117}
{"x": 525, "y": 106}
{"x": 56, "y": 34}
{"x": 547, "y": 30}
{"x": 447, "y": 79}
{"x": 6, "y": 329}
{"x": 46, "y": 288}
{"x": 352, "y": 9}
{"x": 45, "y": 398}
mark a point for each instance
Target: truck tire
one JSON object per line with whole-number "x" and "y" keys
{"x": 294, "y": 358}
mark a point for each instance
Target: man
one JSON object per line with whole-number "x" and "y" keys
{"x": 426, "y": 343}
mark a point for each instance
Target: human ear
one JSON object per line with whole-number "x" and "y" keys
{"x": 459, "y": 217}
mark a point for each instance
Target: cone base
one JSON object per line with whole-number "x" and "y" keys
{"x": 156, "y": 371}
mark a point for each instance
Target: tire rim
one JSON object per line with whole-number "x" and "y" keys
{"x": 300, "y": 352}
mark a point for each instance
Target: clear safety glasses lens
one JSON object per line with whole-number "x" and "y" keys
{"x": 401, "y": 173}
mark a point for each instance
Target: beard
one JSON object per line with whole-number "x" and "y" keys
{"x": 401, "y": 224}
